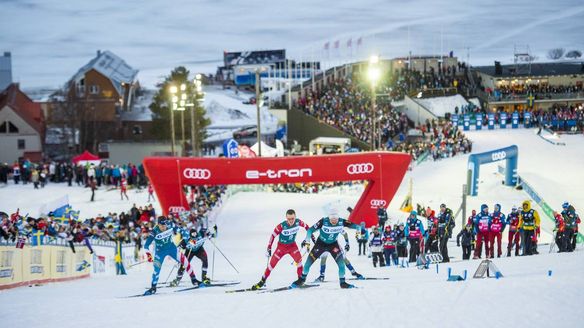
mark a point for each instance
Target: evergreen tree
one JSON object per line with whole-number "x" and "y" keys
{"x": 161, "y": 104}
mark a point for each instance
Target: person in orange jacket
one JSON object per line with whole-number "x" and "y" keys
{"x": 529, "y": 223}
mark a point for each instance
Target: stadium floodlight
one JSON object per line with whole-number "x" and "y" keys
{"x": 173, "y": 89}
{"x": 183, "y": 87}
{"x": 373, "y": 73}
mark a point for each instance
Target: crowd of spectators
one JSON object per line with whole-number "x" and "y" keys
{"x": 539, "y": 91}
{"x": 130, "y": 226}
{"x": 561, "y": 117}
{"x": 311, "y": 187}
{"x": 109, "y": 175}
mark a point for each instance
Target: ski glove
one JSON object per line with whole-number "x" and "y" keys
{"x": 305, "y": 243}
{"x": 347, "y": 247}
{"x": 268, "y": 253}
{"x": 149, "y": 257}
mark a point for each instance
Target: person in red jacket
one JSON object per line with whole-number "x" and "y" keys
{"x": 497, "y": 227}
{"x": 432, "y": 233}
{"x": 150, "y": 192}
{"x": 124, "y": 187}
{"x": 287, "y": 232}
{"x": 514, "y": 233}
{"x": 560, "y": 238}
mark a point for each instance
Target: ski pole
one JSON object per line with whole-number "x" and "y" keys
{"x": 137, "y": 263}
{"x": 220, "y": 252}
{"x": 213, "y": 265}
{"x": 170, "y": 274}
{"x": 303, "y": 255}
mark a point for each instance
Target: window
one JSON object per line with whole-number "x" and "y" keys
{"x": 21, "y": 144}
{"x": 8, "y": 127}
{"x": 94, "y": 89}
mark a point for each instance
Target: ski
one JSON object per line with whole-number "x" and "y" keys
{"x": 369, "y": 278}
{"x": 214, "y": 282}
{"x": 207, "y": 285}
{"x": 290, "y": 288}
{"x": 243, "y": 290}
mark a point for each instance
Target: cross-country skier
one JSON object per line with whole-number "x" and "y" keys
{"x": 514, "y": 233}
{"x": 192, "y": 242}
{"x": 497, "y": 228}
{"x": 348, "y": 264}
{"x": 414, "y": 229}
{"x": 286, "y": 231}
{"x": 483, "y": 225}
{"x": 329, "y": 229}
{"x": 162, "y": 235}
{"x": 529, "y": 222}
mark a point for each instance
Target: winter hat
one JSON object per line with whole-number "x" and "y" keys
{"x": 333, "y": 213}
{"x": 484, "y": 207}
{"x": 497, "y": 207}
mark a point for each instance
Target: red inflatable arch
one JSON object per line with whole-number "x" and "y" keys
{"x": 384, "y": 172}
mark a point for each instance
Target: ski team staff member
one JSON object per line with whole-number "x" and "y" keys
{"x": 329, "y": 227}
{"x": 529, "y": 222}
{"x": 286, "y": 231}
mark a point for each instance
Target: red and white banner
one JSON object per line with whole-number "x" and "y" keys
{"x": 383, "y": 170}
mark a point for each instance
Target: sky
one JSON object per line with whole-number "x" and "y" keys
{"x": 51, "y": 39}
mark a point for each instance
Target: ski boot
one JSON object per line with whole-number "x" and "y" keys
{"x": 345, "y": 285}
{"x": 320, "y": 278}
{"x": 205, "y": 279}
{"x": 195, "y": 282}
{"x": 174, "y": 283}
{"x": 150, "y": 291}
{"x": 298, "y": 282}
{"x": 509, "y": 253}
{"x": 259, "y": 285}
{"x": 358, "y": 276}
{"x": 517, "y": 252}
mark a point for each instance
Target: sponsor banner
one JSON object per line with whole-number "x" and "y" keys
{"x": 383, "y": 170}
{"x": 40, "y": 264}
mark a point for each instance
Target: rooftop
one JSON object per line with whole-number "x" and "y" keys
{"x": 537, "y": 69}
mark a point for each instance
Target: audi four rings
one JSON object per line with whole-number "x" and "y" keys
{"x": 201, "y": 174}
{"x": 360, "y": 168}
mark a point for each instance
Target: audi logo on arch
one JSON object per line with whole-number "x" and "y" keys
{"x": 176, "y": 209}
{"x": 378, "y": 202}
{"x": 498, "y": 156}
{"x": 360, "y": 168}
{"x": 200, "y": 174}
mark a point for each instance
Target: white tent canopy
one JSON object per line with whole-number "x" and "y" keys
{"x": 268, "y": 151}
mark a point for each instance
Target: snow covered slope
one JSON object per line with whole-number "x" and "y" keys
{"x": 439, "y": 106}
{"x": 525, "y": 296}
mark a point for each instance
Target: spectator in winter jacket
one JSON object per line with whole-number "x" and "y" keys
{"x": 529, "y": 222}
{"x": 362, "y": 236}
{"x": 467, "y": 240}
{"x": 514, "y": 234}
{"x": 414, "y": 232}
{"x": 389, "y": 245}
{"x": 376, "y": 247}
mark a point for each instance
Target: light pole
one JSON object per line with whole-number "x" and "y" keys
{"x": 174, "y": 105}
{"x": 258, "y": 105}
{"x": 198, "y": 94}
{"x": 183, "y": 103}
{"x": 373, "y": 74}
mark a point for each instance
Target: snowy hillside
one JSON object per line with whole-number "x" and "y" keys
{"x": 439, "y": 106}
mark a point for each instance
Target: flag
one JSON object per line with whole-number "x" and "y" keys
{"x": 57, "y": 207}
{"x": 337, "y": 44}
{"x": 327, "y": 46}
{"x": 359, "y": 41}
{"x": 349, "y": 43}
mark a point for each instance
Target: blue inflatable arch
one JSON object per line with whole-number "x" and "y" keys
{"x": 509, "y": 154}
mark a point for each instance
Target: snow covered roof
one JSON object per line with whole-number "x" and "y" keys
{"x": 537, "y": 69}
{"x": 112, "y": 67}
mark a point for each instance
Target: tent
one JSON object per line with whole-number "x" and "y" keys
{"x": 267, "y": 151}
{"x": 85, "y": 158}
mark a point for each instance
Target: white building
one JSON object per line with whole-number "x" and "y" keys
{"x": 21, "y": 126}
